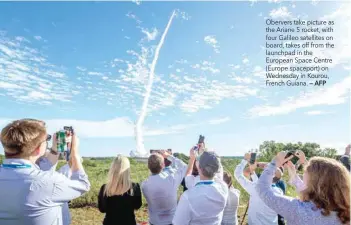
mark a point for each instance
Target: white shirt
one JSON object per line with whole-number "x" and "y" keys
{"x": 160, "y": 192}
{"x": 230, "y": 214}
{"x": 258, "y": 212}
{"x": 202, "y": 204}
{"x": 66, "y": 216}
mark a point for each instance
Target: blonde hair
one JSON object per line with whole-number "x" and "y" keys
{"x": 118, "y": 181}
{"x": 21, "y": 137}
{"x": 328, "y": 187}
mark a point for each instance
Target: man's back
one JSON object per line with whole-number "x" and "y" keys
{"x": 202, "y": 204}
{"x": 259, "y": 212}
{"x": 160, "y": 192}
{"x": 30, "y": 196}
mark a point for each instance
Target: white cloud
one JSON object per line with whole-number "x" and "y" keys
{"x": 138, "y": 2}
{"x": 183, "y": 15}
{"x": 26, "y": 74}
{"x": 245, "y": 80}
{"x": 316, "y": 112}
{"x": 219, "y": 121}
{"x": 280, "y": 13}
{"x": 38, "y": 38}
{"x": 6, "y": 85}
{"x": 81, "y": 68}
{"x": 206, "y": 66}
{"x": 333, "y": 95}
{"x": 150, "y": 35}
{"x": 212, "y": 41}
{"x": 246, "y": 60}
{"x": 94, "y": 73}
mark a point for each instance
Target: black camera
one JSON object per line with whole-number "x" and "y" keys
{"x": 201, "y": 139}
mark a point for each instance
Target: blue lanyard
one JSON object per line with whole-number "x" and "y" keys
{"x": 204, "y": 183}
{"x": 16, "y": 166}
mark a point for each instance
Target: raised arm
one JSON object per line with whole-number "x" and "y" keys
{"x": 242, "y": 180}
{"x": 298, "y": 183}
{"x": 191, "y": 162}
{"x": 294, "y": 178}
{"x": 282, "y": 205}
{"x": 181, "y": 169}
{"x": 67, "y": 189}
{"x": 219, "y": 174}
{"x": 50, "y": 159}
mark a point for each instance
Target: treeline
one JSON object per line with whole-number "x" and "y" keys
{"x": 268, "y": 149}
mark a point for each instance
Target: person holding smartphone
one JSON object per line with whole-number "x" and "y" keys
{"x": 160, "y": 188}
{"x": 258, "y": 211}
{"x": 324, "y": 200}
{"x": 34, "y": 193}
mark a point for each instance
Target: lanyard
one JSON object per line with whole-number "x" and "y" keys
{"x": 16, "y": 166}
{"x": 204, "y": 183}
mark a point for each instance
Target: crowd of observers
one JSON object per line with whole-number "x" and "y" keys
{"x": 32, "y": 192}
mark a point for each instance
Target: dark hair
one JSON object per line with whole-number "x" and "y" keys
{"x": 195, "y": 171}
{"x": 228, "y": 179}
{"x": 167, "y": 162}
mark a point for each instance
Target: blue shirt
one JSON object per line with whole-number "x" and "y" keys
{"x": 32, "y": 196}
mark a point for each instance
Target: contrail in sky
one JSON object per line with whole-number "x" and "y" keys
{"x": 138, "y": 128}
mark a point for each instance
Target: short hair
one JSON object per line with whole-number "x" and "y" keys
{"x": 228, "y": 179}
{"x": 209, "y": 164}
{"x": 155, "y": 163}
{"x": 20, "y": 138}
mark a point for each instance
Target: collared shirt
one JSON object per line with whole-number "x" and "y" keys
{"x": 160, "y": 192}
{"x": 203, "y": 204}
{"x": 31, "y": 196}
{"x": 66, "y": 215}
{"x": 230, "y": 214}
{"x": 258, "y": 212}
{"x": 191, "y": 180}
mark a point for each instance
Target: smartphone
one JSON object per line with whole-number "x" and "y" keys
{"x": 154, "y": 151}
{"x": 68, "y": 140}
{"x": 289, "y": 154}
{"x": 253, "y": 158}
{"x": 201, "y": 139}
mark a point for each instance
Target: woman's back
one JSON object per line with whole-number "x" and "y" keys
{"x": 230, "y": 213}
{"x": 119, "y": 209}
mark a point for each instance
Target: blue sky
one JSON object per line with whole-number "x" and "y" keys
{"x": 86, "y": 64}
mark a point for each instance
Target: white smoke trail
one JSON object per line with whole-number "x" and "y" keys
{"x": 138, "y": 128}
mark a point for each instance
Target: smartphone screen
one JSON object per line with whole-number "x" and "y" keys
{"x": 253, "y": 158}
{"x": 289, "y": 154}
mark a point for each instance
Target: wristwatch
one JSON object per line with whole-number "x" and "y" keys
{"x": 53, "y": 152}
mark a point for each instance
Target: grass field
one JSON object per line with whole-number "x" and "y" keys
{"x": 84, "y": 211}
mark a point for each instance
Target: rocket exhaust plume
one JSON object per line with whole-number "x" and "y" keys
{"x": 138, "y": 128}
